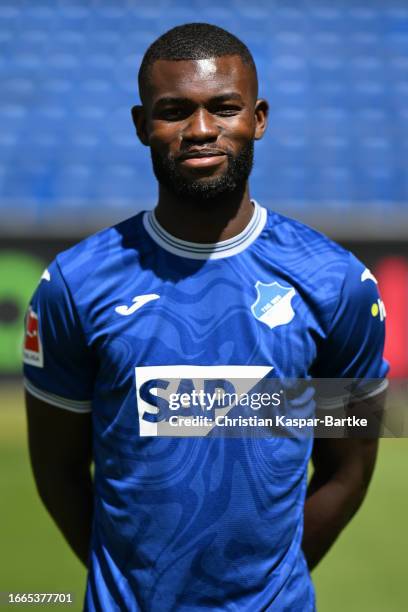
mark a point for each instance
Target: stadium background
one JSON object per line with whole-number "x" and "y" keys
{"x": 335, "y": 156}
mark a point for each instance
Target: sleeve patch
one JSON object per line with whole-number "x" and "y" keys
{"x": 32, "y": 349}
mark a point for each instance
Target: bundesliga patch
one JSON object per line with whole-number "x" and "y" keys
{"x": 32, "y": 350}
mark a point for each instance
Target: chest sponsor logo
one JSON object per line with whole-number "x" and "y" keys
{"x": 157, "y": 386}
{"x": 138, "y": 302}
{"x": 273, "y": 306}
{"x": 32, "y": 349}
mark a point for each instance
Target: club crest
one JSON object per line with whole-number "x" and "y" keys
{"x": 273, "y": 304}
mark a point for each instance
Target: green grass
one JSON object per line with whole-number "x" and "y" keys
{"x": 367, "y": 567}
{"x": 34, "y": 556}
{"x": 365, "y": 571}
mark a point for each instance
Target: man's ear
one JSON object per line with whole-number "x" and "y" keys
{"x": 261, "y": 118}
{"x": 139, "y": 121}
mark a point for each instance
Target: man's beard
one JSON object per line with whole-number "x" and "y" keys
{"x": 209, "y": 188}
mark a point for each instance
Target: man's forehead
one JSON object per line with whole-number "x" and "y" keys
{"x": 190, "y": 77}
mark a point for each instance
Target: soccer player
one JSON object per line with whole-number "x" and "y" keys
{"x": 210, "y": 279}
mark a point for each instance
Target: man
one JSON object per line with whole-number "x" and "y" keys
{"x": 196, "y": 523}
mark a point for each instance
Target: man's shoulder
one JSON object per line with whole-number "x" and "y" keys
{"x": 299, "y": 237}
{"x": 304, "y": 250}
{"x": 95, "y": 250}
{"x": 310, "y": 260}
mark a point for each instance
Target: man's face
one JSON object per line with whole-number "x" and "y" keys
{"x": 200, "y": 119}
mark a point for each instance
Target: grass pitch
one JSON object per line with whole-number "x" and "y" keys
{"x": 365, "y": 571}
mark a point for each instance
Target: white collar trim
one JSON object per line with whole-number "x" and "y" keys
{"x": 209, "y": 250}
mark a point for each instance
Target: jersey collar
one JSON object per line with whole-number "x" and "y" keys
{"x": 209, "y": 250}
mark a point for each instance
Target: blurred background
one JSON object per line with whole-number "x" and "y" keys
{"x": 335, "y": 156}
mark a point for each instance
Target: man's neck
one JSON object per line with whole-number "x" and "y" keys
{"x": 206, "y": 222}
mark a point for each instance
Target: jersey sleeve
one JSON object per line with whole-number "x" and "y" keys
{"x": 353, "y": 348}
{"x": 58, "y": 364}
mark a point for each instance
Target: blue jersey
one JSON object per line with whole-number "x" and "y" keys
{"x": 197, "y": 523}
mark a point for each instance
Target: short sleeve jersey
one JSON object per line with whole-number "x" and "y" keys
{"x": 197, "y": 523}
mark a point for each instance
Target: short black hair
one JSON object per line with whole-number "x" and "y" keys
{"x": 193, "y": 41}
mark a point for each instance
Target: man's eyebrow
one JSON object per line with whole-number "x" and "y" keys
{"x": 170, "y": 100}
{"x": 230, "y": 95}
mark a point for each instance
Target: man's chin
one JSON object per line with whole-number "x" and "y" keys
{"x": 205, "y": 189}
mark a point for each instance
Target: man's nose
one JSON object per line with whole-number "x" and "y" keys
{"x": 201, "y": 127}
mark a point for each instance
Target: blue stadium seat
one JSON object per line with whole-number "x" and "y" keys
{"x": 125, "y": 183}
{"x": 379, "y": 185}
{"x": 26, "y": 180}
{"x": 287, "y": 185}
{"x": 334, "y": 187}
{"x": 75, "y": 182}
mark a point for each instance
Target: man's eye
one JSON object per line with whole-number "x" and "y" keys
{"x": 172, "y": 114}
{"x": 226, "y": 111}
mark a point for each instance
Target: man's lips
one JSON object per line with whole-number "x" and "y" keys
{"x": 202, "y": 159}
{"x": 203, "y": 162}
